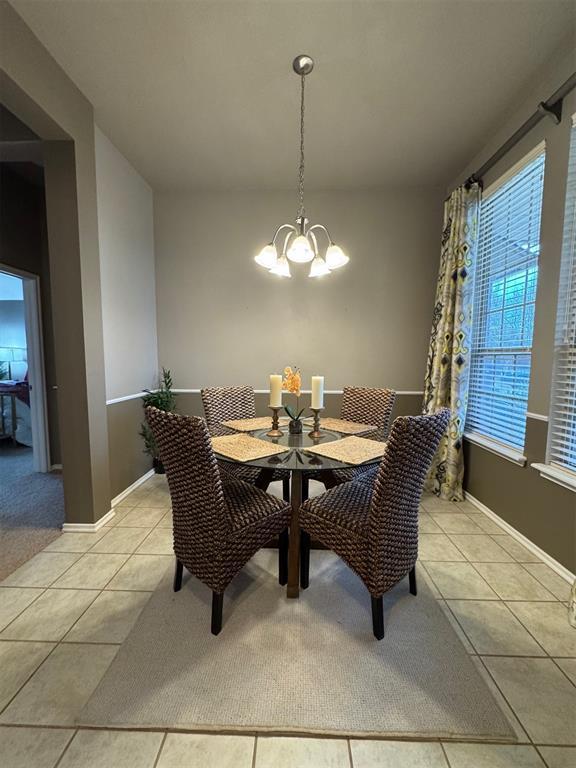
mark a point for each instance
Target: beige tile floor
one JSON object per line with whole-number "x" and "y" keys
{"x": 65, "y": 613}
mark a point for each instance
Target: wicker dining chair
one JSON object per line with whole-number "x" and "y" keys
{"x": 364, "y": 405}
{"x": 219, "y": 522}
{"x": 228, "y": 403}
{"x": 374, "y": 529}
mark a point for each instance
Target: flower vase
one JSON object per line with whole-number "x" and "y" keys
{"x": 295, "y": 427}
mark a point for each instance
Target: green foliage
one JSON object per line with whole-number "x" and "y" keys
{"x": 164, "y": 399}
{"x": 292, "y": 412}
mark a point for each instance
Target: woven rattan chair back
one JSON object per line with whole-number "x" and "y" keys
{"x": 369, "y": 406}
{"x": 227, "y": 403}
{"x": 201, "y": 522}
{"x": 393, "y": 515}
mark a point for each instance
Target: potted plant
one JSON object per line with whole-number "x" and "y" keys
{"x": 292, "y": 383}
{"x": 162, "y": 398}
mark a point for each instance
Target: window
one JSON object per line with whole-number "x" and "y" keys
{"x": 504, "y": 301}
{"x": 562, "y": 436}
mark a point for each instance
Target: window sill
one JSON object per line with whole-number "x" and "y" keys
{"x": 505, "y": 451}
{"x": 562, "y": 477}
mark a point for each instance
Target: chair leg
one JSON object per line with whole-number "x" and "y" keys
{"x": 412, "y": 580}
{"x": 217, "y": 603}
{"x": 178, "y": 576}
{"x": 378, "y": 617}
{"x": 305, "y": 487}
{"x": 283, "y": 558}
{"x": 286, "y": 489}
{"x": 304, "y": 559}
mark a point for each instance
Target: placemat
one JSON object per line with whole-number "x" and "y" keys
{"x": 244, "y": 448}
{"x": 251, "y": 425}
{"x": 346, "y": 427}
{"x": 351, "y": 450}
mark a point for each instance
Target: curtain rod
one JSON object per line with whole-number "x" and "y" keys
{"x": 552, "y": 108}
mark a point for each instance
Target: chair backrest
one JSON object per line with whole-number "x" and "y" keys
{"x": 198, "y": 509}
{"x": 227, "y": 403}
{"x": 393, "y": 517}
{"x": 369, "y": 406}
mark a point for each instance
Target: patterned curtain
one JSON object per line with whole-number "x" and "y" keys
{"x": 448, "y": 365}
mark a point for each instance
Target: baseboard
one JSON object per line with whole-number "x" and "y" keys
{"x": 88, "y": 527}
{"x": 93, "y": 527}
{"x": 121, "y": 496}
{"x": 534, "y": 548}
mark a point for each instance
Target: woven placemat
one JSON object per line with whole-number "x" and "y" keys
{"x": 351, "y": 450}
{"x": 251, "y": 425}
{"x": 346, "y": 427}
{"x": 244, "y": 448}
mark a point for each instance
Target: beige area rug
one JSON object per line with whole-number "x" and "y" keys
{"x": 300, "y": 666}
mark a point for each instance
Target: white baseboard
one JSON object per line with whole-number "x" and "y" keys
{"x": 93, "y": 527}
{"x": 534, "y": 548}
{"x": 121, "y": 496}
{"x": 88, "y": 527}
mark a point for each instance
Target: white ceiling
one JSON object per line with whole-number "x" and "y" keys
{"x": 201, "y": 95}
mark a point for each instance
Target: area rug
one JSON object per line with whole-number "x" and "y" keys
{"x": 307, "y": 666}
{"x": 31, "y": 507}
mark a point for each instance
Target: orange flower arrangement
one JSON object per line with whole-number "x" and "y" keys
{"x": 292, "y": 382}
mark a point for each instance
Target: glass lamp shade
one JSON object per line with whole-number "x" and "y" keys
{"x": 267, "y": 257}
{"x": 281, "y": 268}
{"x": 300, "y": 250}
{"x": 335, "y": 257}
{"x": 318, "y": 267}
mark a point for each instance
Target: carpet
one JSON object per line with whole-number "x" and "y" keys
{"x": 31, "y": 507}
{"x": 307, "y": 666}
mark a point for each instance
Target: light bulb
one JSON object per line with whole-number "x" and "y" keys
{"x": 300, "y": 250}
{"x": 267, "y": 257}
{"x": 335, "y": 257}
{"x": 281, "y": 268}
{"x": 318, "y": 267}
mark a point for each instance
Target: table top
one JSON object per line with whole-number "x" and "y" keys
{"x": 297, "y": 460}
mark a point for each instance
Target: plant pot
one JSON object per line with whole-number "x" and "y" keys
{"x": 295, "y": 427}
{"x": 158, "y": 467}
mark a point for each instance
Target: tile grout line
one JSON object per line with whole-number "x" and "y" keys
{"x": 254, "y": 750}
{"x": 157, "y": 759}
{"x": 350, "y": 759}
{"x": 491, "y": 676}
{"x": 448, "y": 763}
{"x": 69, "y": 742}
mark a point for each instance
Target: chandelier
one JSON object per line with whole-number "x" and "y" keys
{"x": 300, "y": 240}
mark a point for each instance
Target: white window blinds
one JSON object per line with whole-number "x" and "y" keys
{"x": 504, "y": 301}
{"x": 562, "y": 435}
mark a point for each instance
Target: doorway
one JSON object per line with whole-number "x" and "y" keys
{"x": 31, "y": 492}
{"x": 23, "y": 415}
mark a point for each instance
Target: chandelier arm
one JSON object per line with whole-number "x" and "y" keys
{"x": 323, "y": 228}
{"x": 280, "y": 228}
{"x": 314, "y": 241}
{"x": 287, "y": 239}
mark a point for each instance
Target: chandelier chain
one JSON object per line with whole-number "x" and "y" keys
{"x": 301, "y": 212}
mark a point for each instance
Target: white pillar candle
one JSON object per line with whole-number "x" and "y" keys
{"x": 275, "y": 390}
{"x": 317, "y": 392}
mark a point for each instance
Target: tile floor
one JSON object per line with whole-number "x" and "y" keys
{"x": 64, "y": 614}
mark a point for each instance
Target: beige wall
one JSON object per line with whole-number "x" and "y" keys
{"x": 38, "y": 92}
{"x": 223, "y": 320}
{"x": 538, "y": 508}
{"x": 126, "y": 239}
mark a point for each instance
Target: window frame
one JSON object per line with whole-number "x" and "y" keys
{"x": 507, "y": 451}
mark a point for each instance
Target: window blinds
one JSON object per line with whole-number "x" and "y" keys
{"x": 562, "y": 435}
{"x": 504, "y": 301}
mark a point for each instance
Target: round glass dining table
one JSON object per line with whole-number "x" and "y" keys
{"x": 298, "y": 461}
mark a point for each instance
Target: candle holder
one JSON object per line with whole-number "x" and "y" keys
{"x": 316, "y": 430}
{"x": 275, "y": 431}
